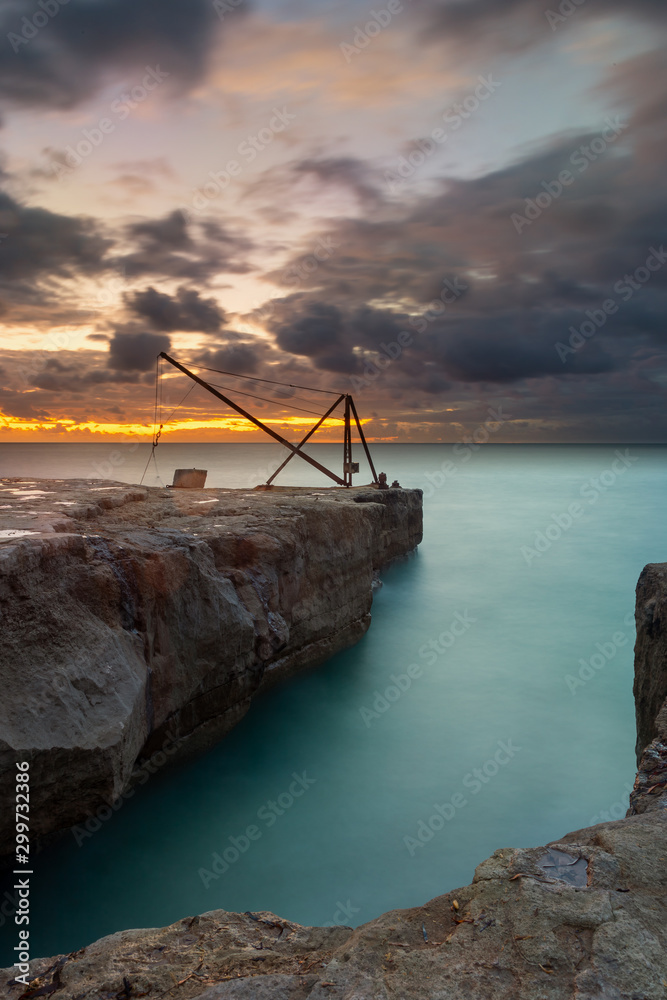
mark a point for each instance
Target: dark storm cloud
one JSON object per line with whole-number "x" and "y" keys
{"x": 174, "y": 247}
{"x": 41, "y": 248}
{"x": 185, "y": 311}
{"x": 468, "y": 349}
{"x": 170, "y": 232}
{"x": 132, "y": 351}
{"x": 17, "y": 404}
{"x": 486, "y": 301}
{"x": 238, "y": 357}
{"x": 67, "y": 59}
{"x": 316, "y": 330}
{"x": 471, "y": 352}
{"x": 40, "y": 243}
{"x": 329, "y": 334}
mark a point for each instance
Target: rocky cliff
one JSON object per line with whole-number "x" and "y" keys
{"x": 651, "y": 656}
{"x": 138, "y": 622}
{"x": 583, "y": 918}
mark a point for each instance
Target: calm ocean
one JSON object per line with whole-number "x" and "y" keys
{"x": 512, "y": 732}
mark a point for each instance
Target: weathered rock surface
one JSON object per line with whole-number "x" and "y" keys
{"x": 586, "y": 919}
{"x": 137, "y": 621}
{"x": 651, "y": 656}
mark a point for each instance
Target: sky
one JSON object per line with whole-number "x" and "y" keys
{"x": 452, "y": 209}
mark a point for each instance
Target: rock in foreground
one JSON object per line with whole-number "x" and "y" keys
{"x": 586, "y": 920}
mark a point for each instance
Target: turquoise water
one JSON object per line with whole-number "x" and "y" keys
{"x": 347, "y": 847}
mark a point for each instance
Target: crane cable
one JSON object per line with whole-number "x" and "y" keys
{"x": 256, "y": 378}
{"x": 265, "y": 399}
{"x": 157, "y": 414}
{"x": 157, "y": 434}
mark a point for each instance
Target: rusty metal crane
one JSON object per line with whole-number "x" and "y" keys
{"x": 349, "y": 413}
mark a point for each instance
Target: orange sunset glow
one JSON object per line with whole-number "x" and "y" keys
{"x": 403, "y": 209}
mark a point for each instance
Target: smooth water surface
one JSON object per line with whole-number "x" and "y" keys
{"x": 374, "y": 766}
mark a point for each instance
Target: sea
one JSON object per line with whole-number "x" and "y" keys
{"x": 489, "y": 705}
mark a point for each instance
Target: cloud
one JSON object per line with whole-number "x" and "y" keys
{"x": 65, "y": 62}
{"x": 171, "y": 231}
{"x": 158, "y": 166}
{"x": 17, "y": 404}
{"x": 131, "y": 351}
{"x": 45, "y": 255}
{"x": 315, "y": 331}
{"x": 238, "y": 357}
{"x": 134, "y": 185}
{"x": 300, "y": 59}
{"x": 512, "y": 26}
{"x": 41, "y": 243}
{"x": 484, "y": 304}
{"x": 345, "y": 171}
{"x": 174, "y": 247}
{"x": 186, "y": 311}
{"x": 476, "y": 351}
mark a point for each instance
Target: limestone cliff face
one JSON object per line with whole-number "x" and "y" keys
{"x": 137, "y": 620}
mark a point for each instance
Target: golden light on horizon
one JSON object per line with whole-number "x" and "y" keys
{"x": 236, "y": 425}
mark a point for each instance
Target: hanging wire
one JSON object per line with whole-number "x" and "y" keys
{"x": 255, "y": 378}
{"x": 265, "y": 399}
{"x": 167, "y": 419}
{"x": 157, "y": 434}
{"x": 159, "y": 421}
{"x": 159, "y": 359}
